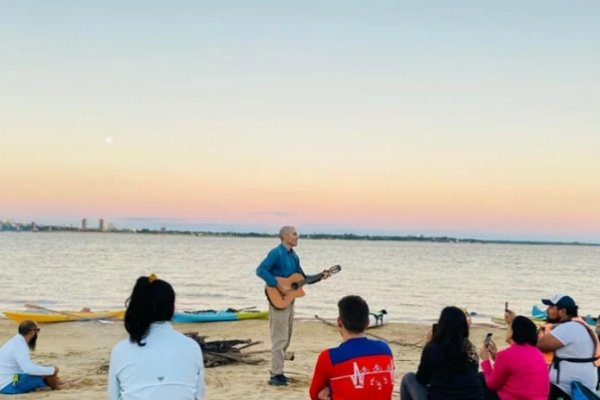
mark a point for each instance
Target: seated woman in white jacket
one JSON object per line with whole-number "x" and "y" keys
{"x": 156, "y": 362}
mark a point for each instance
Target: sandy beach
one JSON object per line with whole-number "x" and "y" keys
{"x": 82, "y": 351}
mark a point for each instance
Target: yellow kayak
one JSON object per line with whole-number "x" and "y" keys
{"x": 63, "y": 316}
{"x": 252, "y": 315}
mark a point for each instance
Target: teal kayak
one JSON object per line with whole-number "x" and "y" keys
{"x": 539, "y": 314}
{"x": 217, "y": 316}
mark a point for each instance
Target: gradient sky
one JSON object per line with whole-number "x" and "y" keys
{"x": 464, "y": 118}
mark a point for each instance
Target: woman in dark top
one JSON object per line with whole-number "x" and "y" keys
{"x": 449, "y": 363}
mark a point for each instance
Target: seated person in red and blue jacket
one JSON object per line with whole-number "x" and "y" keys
{"x": 359, "y": 368}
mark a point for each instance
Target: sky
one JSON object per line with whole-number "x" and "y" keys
{"x": 462, "y": 118}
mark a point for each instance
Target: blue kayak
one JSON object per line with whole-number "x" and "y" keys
{"x": 538, "y": 313}
{"x": 217, "y": 316}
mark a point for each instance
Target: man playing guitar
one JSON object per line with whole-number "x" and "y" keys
{"x": 281, "y": 262}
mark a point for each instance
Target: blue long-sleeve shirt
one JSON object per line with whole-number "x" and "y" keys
{"x": 280, "y": 262}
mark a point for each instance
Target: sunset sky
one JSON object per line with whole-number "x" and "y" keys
{"x": 463, "y": 118}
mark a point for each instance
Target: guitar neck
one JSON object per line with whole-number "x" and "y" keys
{"x": 311, "y": 279}
{"x": 316, "y": 277}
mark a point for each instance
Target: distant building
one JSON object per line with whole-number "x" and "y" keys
{"x": 101, "y": 225}
{"x": 84, "y": 224}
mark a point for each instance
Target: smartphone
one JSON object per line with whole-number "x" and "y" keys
{"x": 488, "y": 339}
{"x": 506, "y": 306}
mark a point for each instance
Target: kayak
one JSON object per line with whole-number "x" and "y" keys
{"x": 581, "y": 392}
{"x": 217, "y": 316}
{"x": 499, "y": 320}
{"x": 379, "y": 318}
{"x": 63, "y": 316}
{"x": 539, "y": 314}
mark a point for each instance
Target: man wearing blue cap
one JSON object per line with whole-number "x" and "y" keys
{"x": 574, "y": 344}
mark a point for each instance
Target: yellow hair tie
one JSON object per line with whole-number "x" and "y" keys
{"x": 152, "y": 278}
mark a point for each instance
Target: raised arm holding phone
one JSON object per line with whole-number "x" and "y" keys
{"x": 518, "y": 371}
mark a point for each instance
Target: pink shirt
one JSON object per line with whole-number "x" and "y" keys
{"x": 519, "y": 373}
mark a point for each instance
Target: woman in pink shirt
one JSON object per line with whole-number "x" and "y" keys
{"x": 519, "y": 372}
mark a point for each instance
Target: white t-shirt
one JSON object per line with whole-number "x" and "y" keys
{"x": 15, "y": 359}
{"x": 577, "y": 344}
{"x": 169, "y": 366}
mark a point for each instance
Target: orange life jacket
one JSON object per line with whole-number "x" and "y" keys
{"x": 549, "y": 356}
{"x": 548, "y": 328}
{"x": 595, "y": 357}
{"x": 594, "y": 337}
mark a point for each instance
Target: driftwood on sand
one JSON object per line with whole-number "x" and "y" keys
{"x": 400, "y": 343}
{"x": 222, "y": 352}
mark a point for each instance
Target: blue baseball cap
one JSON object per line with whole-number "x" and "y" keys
{"x": 560, "y": 301}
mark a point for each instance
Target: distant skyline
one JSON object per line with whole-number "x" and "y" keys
{"x": 466, "y": 119}
{"x": 161, "y": 227}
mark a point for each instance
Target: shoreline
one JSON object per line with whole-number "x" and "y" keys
{"x": 82, "y": 352}
{"x": 307, "y": 236}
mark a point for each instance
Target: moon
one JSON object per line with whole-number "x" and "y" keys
{"x": 109, "y": 140}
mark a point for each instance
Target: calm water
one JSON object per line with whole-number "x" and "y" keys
{"x": 413, "y": 281}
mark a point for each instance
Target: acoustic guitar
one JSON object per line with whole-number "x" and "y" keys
{"x": 295, "y": 282}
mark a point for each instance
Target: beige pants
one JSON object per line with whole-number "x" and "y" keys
{"x": 281, "y": 323}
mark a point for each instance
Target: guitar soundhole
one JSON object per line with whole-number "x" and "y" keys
{"x": 294, "y": 286}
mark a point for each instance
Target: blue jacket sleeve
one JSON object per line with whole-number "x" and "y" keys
{"x": 264, "y": 269}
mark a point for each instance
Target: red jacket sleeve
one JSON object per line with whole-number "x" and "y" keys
{"x": 321, "y": 375}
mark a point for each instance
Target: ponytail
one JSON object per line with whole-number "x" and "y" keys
{"x": 152, "y": 300}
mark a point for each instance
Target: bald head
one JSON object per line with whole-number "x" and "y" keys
{"x": 288, "y": 236}
{"x": 285, "y": 230}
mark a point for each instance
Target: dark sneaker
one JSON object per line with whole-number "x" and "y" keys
{"x": 278, "y": 380}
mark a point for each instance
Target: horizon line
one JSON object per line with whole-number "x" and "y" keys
{"x": 34, "y": 227}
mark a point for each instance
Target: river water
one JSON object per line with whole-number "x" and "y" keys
{"x": 412, "y": 280}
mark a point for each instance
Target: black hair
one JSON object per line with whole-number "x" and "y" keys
{"x": 354, "y": 313}
{"x": 571, "y": 311}
{"x": 524, "y": 331}
{"x": 27, "y": 326}
{"x": 452, "y": 334}
{"x": 152, "y": 300}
